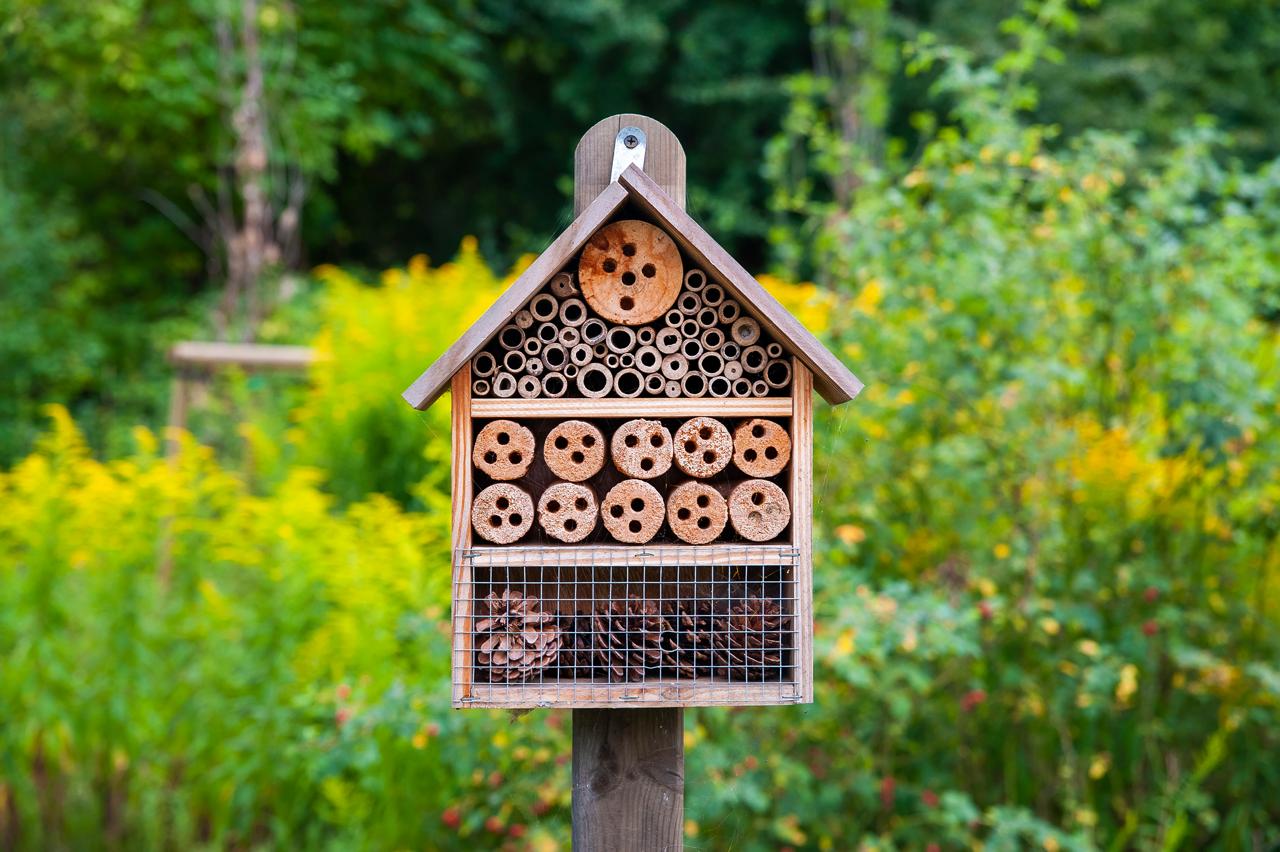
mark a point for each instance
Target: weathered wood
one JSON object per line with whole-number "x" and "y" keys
{"x": 518, "y": 409}
{"x": 628, "y": 779}
{"x": 593, "y": 158}
{"x": 461, "y": 486}
{"x": 431, "y": 383}
{"x": 578, "y": 694}
{"x": 630, "y": 554}
{"x": 802, "y": 525}
{"x": 834, "y": 380}
{"x": 249, "y": 356}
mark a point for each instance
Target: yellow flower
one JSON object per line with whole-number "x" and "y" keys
{"x": 869, "y": 299}
{"x": 1051, "y": 844}
{"x": 844, "y": 644}
{"x": 914, "y": 179}
{"x": 1099, "y": 765}
{"x": 910, "y": 640}
{"x": 1050, "y": 626}
{"x": 1086, "y": 817}
{"x": 1128, "y": 684}
{"x": 690, "y": 828}
{"x": 1001, "y": 551}
{"x": 851, "y": 534}
{"x": 1088, "y": 647}
{"x": 420, "y": 740}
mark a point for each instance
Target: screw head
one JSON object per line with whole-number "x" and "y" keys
{"x": 631, "y": 141}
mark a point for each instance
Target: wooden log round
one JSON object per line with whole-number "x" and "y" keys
{"x": 754, "y": 359}
{"x": 728, "y": 312}
{"x": 523, "y": 319}
{"x": 668, "y": 340}
{"x": 641, "y": 449}
{"x": 573, "y": 312}
{"x": 544, "y": 307}
{"x": 703, "y": 446}
{"x": 502, "y": 513}
{"x": 697, "y": 513}
{"x": 484, "y": 365}
{"x": 630, "y": 272}
{"x": 777, "y": 373}
{"x": 511, "y": 337}
{"x": 633, "y": 511}
{"x": 648, "y": 359}
{"x": 629, "y": 382}
{"x": 594, "y": 330}
{"x": 567, "y": 511}
{"x": 554, "y": 385}
{"x": 719, "y": 386}
{"x": 562, "y": 286}
{"x": 761, "y": 448}
{"x": 503, "y": 449}
{"x": 654, "y": 384}
{"x": 574, "y": 450}
{"x": 504, "y": 385}
{"x": 695, "y": 280}
{"x": 689, "y": 303}
{"x": 759, "y": 510}
{"x": 595, "y": 381}
{"x": 745, "y": 331}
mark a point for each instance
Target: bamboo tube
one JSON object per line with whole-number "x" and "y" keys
{"x": 562, "y": 286}
{"x": 695, "y": 280}
{"x": 689, "y": 303}
{"x": 729, "y": 311}
{"x": 712, "y": 339}
{"x": 628, "y": 383}
{"x": 569, "y": 337}
{"x": 594, "y": 330}
{"x": 511, "y": 337}
{"x": 741, "y": 388}
{"x": 691, "y": 348}
{"x": 641, "y": 449}
{"x": 745, "y": 331}
{"x": 529, "y": 387}
{"x": 502, "y": 513}
{"x": 731, "y": 351}
{"x": 611, "y": 360}
{"x": 632, "y": 511}
{"x": 600, "y": 350}
{"x": 548, "y": 332}
{"x": 648, "y": 359}
{"x": 620, "y": 339}
{"x": 523, "y": 319}
{"x": 570, "y": 371}
{"x": 703, "y": 446}
{"x": 773, "y": 349}
{"x": 668, "y": 341}
{"x": 777, "y": 374}
{"x": 732, "y": 370}
{"x": 675, "y": 366}
{"x": 627, "y": 359}
{"x": 504, "y": 385}
{"x": 710, "y": 364}
{"x": 707, "y": 317}
{"x": 580, "y": 354}
{"x": 573, "y": 312}
{"x": 554, "y": 385}
{"x": 532, "y": 346}
{"x": 693, "y": 385}
{"x": 480, "y": 387}
{"x": 759, "y": 510}
{"x": 544, "y": 307}
{"x": 534, "y": 367}
{"x": 654, "y": 384}
{"x": 754, "y": 359}
{"x": 503, "y": 450}
{"x": 568, "y": 512}
{"x": 690, "y": 328}
{"x": 719, "y": 386}
{"x": 759, "y": 388}
{"x": 484, "y": 365}
{"x": 514, "y": 361}
{"x": 673, "y": 318}
{"x": 554, "y": 357}
{"x": 672, "y": 389}
{"x": 645, "y": 335}
{"x": 712, "y": 295}
{"x": 595, "y": 381}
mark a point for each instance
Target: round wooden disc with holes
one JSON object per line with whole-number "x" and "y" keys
{"x": 759, "y": 510}
{"x": 703, "y": 447}
{"x": 696, "y": 512}
{"x": 567, "y": 511}
{"x": 504, "y": 450}
{"x": 630, "y": 272}
{"x": 642, "y": 449}
{"x": 761, "y": 448}
{"x": 502, "y": 513}
{"x": 574, "y": 450}
{"x": 632, "y": 511}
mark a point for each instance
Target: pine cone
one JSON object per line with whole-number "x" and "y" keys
{"x": 516, "y": 640}
{"x": 749, "y": 641}
{"x": 577, "y": 651}
{"x": 686, "y": 646}
{"x": 628, "y": 639}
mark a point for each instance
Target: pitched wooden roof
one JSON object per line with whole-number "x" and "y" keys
{"x": 831, "y": 378}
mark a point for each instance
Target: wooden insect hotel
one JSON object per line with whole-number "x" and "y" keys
{"x": 632, "y": 467}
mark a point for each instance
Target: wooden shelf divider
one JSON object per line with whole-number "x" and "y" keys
{"x": 514, "y": 409}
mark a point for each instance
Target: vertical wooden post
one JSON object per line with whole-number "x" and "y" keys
{"x": 628, "y": 765}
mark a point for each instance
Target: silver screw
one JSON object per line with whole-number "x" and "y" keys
{"x": 631, "y": 141}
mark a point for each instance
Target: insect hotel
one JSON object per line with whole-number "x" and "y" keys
{"x": 632, "y": 468}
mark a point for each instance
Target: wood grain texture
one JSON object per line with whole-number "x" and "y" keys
{"x": 432, "y": 383}
{"x": 628, "y": 780}
{"x": 802, "y": 525}
{"x": 833, "y": 379}
{"x": 635, "y": 555}
{"x": 561, "y": 408}
{"x": 703, "y": 692}
{"x": 249, "y": 356}
{"x": 461, "y": 488}
{"x": 593, "y": 158}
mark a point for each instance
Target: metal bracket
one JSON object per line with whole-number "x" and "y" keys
{"x": 628, "y": 148}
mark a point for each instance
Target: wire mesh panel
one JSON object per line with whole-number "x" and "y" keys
{"x": 611, "y": 626}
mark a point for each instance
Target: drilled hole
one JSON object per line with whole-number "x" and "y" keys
{"x": 704, "y": 522}
{"x": 570, "y": 524}
{"x": 634, "y": 526}
{"x": 629, "y": 249}
{"x": 553, "y": 506}
{"x": 562, "y": 443}
{"x": 648, "y": 270}
{"x": 502, "y": 503}
{"x": 516, "y": 457}
{"x": 704, "y": 433}
{"x": 580, "y": 504}
{"x": 588, "y": 440}
{"x": 616, "y": 511}
{"x": 758, "y": 498}
{"x": 577, "y": 457}
{"x": 683, "y": 514}
{"x": 626, "y": 303}
{"x": 646, "y": 464}
{"x": 609, "y": 265}
{"x": 516, "y": 520}
{"x": 495, "y": 521}
{"x": 703, "y": 501}
{"x": 504, "y": 438}
{"x": 755, "y": 517}
{"x": 628, "y": 278}
{"x": 690, "y": 446}
{"x": 708, "y": 457}
{"x": 490, "y": 457}
{"x": 749, "y": 455}
{"x": 637, "y": 504}
{"x": 757, "y": 431}
{"x": 655, "y": 440}
{"x": 631, "y": 440}
{"x": 770, "y": 453}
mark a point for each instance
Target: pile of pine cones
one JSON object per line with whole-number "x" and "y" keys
{"x": 625, "y": 641}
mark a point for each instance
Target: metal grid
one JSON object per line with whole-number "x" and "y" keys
{"x": 582, "y": 627}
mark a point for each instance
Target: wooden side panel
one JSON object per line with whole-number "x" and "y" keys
{"x": 461, "y": 531}
{"x": 834, "y": 380}
{"x": 802, "y": 519}
{"x": 593, "y": 158}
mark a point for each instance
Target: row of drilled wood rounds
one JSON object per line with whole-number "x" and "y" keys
{"x": 633, "y": 510}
